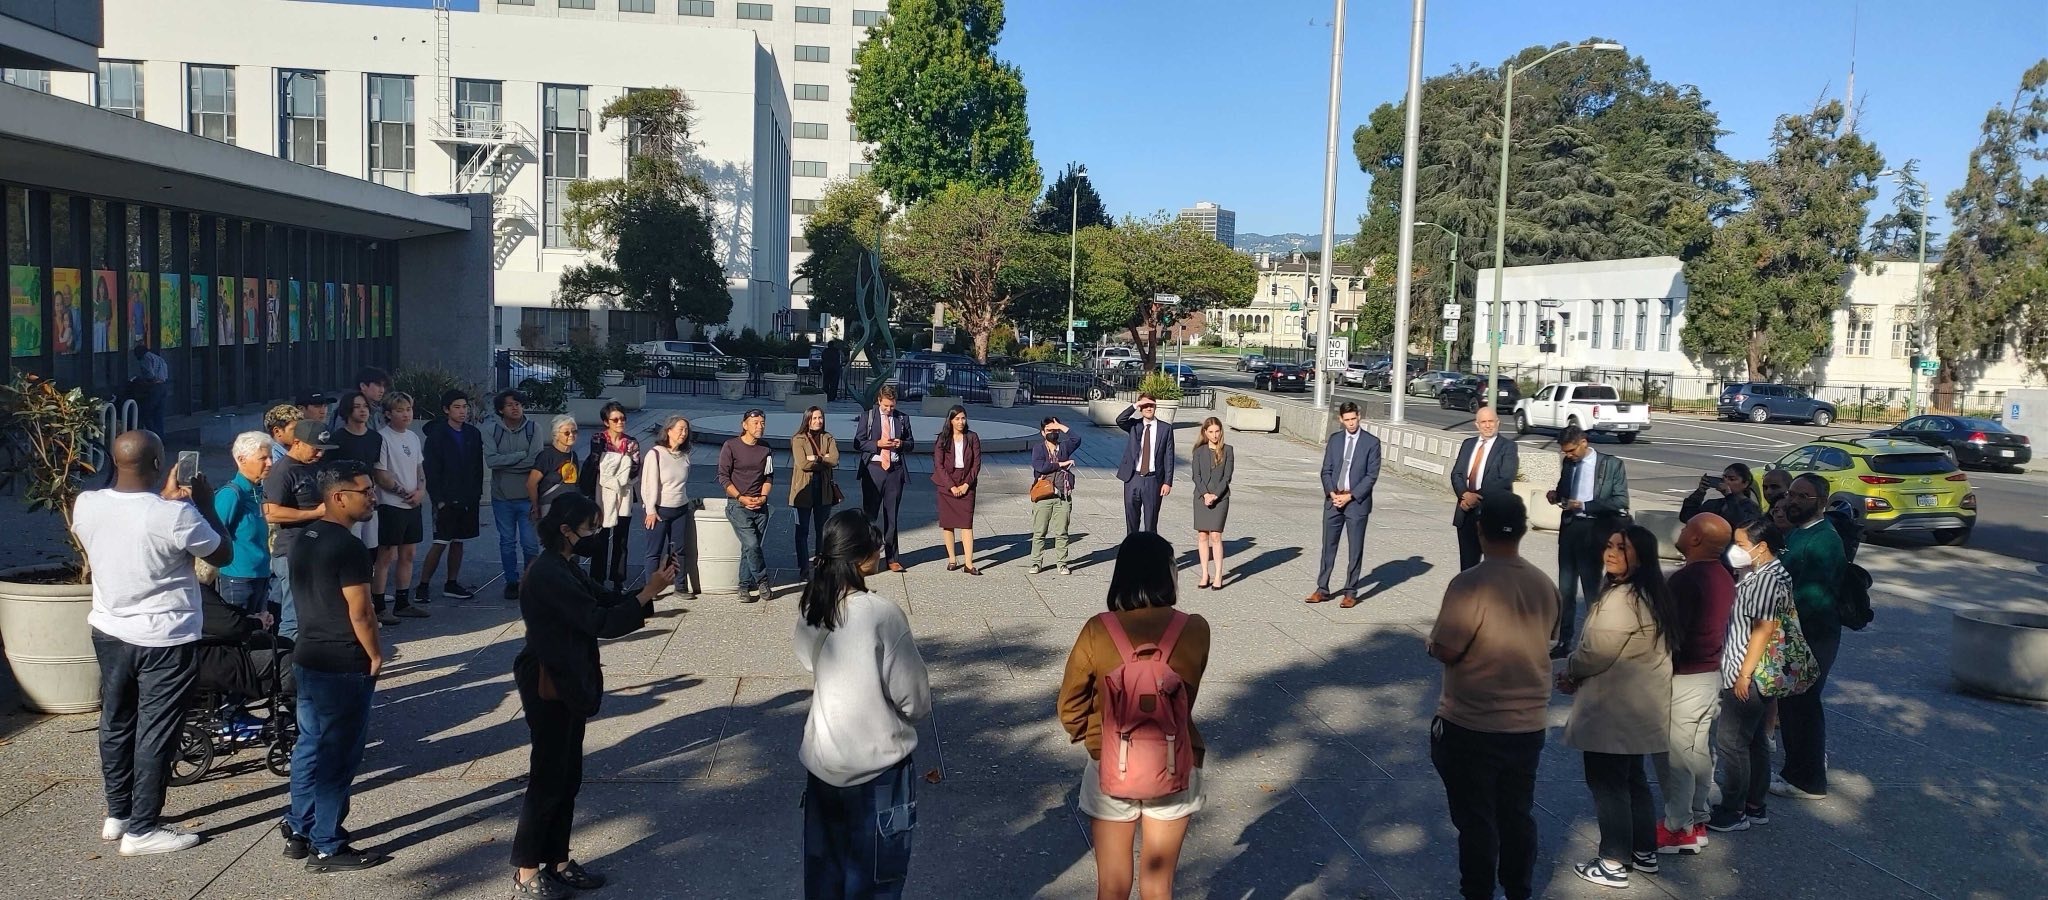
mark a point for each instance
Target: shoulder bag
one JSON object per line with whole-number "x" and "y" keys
{"x": 1788, "y": 666}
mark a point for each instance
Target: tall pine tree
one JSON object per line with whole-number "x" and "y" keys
{"x": 1070, "y": 203}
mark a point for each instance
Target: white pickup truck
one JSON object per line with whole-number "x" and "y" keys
{"x": 1593, "y": 407}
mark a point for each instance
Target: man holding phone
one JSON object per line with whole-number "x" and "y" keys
{"x": 1593, "y": 492}
{"x": 883, "y": 436}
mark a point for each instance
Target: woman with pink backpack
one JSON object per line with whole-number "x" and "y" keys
{"x": 1129, "y": 686}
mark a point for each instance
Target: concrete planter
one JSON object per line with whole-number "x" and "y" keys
{"x": 1665, "y": 525}
{"x": 49, "y": 646}
{"x": 1169, "y": 410}
{"x": 779, "y": 386}
{"x": 937, "y": 407}
{"x": 797, "y": 403}
{"x": 732, "y": 385}
{"x": 1104, "y": 412}
{"x": 614, "y": 378}
{"x": 589, "y": 413}
{"x": 1541, "y": 513}
{"x": 2000, "y": 653}
{"x": 1003, "y": 394}
{"x": 1265, "y": 421}
{"x": 630, "y": 396}
{"x": 718, "y": 549}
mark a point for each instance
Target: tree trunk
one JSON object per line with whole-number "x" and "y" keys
{"x": 980, "y": 336}
{"x": 1755, "y": 362}
{"x": 1943, "y": 390}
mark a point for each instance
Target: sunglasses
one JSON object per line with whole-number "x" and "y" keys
{"x": 616, "y": 419}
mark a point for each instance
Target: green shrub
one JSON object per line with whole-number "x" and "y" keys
{"x": 1241, "y": 401}
{"x": 1161, "y": 386}
{"x": 1041, "y": 352}
{"x": 550, "y": 396}
{"x": 585, "y": 366}
{"x": 426, "y": 384}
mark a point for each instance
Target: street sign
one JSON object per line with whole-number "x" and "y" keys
{"x": 1294, "y": 307}
{"x": 1453, "y": 312}
{"x": 942, "y": 335}
{"x": 1930, "y": 366}
{"x": 1070, "y": 335}
{"x": 1336, "y": 350}
{"x": 1166, "y": 299}
{"x": 1450, "y": 331}
{"x": 1080, "y": 323}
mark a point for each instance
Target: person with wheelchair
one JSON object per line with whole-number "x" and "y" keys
{"x": 242, "y": 696}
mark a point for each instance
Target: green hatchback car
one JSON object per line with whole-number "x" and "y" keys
{"x": 1897, "y": 485}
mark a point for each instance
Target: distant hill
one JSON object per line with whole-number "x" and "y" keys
{"x": 1250, "y": 242}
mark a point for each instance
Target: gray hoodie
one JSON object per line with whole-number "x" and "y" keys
{"x": 510, "y": 455}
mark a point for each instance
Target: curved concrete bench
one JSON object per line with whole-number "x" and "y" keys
{"x": 1999, "y": 652}
{"x": 1665, "y": 525}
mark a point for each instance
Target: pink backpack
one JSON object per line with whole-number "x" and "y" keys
{"x": 1147, "y": 745}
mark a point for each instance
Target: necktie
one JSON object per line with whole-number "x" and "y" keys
{"x": 1350, "y": 443}
{"x": 887, "y": 433}
{"x": 1145, "y": 449}
{"x": 1478, "y": 459}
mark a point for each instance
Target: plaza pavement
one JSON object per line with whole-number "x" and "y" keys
{"x": 1319, "y": 782}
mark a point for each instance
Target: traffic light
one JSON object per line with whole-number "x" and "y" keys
{"x": 1274, "y": 289}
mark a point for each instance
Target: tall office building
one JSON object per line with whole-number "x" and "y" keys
{"x": 1220, "y": 223}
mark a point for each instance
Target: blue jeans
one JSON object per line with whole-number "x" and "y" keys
{"x": 281, "y": 596}
{"x": 857, "y": 839}
{"x": 515, "y": 533}
{"x": 752, "y": 527}
{"x": 334, "y": 725}
{"x": 250, "y": 595}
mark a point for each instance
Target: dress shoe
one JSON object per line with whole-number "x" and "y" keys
{"x": 1347, "y": 601}
{"x": 895, "y": 567}
{"x": 1316, "y": 597}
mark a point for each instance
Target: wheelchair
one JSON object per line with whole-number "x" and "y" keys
{"x": 243, "y": 700}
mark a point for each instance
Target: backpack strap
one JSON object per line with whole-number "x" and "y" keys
{"x": 1117, "y": 635}
{"x": 1172, "y": 635}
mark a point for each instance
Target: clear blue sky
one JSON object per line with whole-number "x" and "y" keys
{"x": 1174, "y": 101}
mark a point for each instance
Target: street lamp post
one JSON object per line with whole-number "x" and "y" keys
{"x": 1329, "y": 196}
{"x": 1454, "y": 280}
{"x": 1500, "y": 211}
{"x": 1919, "y": 281}
{"x": 1073, "y": 255}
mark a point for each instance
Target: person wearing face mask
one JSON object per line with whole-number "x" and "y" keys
{"x": 1816, "y": 561}
{"x": 561, "y": 686}
{"x": 1052, "y": 506}
{"x": 1762, "y": 602}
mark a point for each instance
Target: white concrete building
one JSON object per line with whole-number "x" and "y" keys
{"x": 1287, "y": 305}
{"x": 1628, "y": 314}
{"x": 1220, "y": 223}
{"x": 502, "y": 101}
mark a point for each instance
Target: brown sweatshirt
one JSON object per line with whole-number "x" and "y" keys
{"x": 1094, "y": 656}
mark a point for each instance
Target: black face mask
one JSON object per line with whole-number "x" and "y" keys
{"x": 590, "y": 546}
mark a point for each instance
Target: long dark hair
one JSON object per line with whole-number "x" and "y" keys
{"x": 1144, "y": 575}
{"x": 571, "y": 508}
{"x": 966, "y": 428}
{"x": 850, "y": 539}
{"x": 1649, "y": 586}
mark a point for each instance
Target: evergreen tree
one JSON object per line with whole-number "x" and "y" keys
{"x": 1056, "y": 212}
{"x": 939, "y": 106}
{"x": 1125, "y": 267}
{"x": 1896, "y": 234}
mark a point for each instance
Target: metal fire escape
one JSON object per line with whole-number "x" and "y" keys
{"x": 487, "y": 150}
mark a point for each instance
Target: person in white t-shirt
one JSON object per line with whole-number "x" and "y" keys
{"x": 139, "y": 538}
{"x": 401, "y": 477}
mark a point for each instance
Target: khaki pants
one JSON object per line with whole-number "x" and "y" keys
{"x": 1050, "y": 517}
{"x": 1685, "y": 774}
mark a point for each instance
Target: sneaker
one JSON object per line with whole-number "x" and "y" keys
{"x": 1035, "y": 569}
{"x": 1725, "y": 822}
{"x": 540, "y": 887}
{"x": 1598, "y": 871}
{"x": 573, "y": 874}
{"x": 1783, "y": 788}
{"x": 112, "y": 829}
{"x": 1699, "y": 835}
{"x": 295, "y": 844}
{"x": 1670, "y": 842}
{"x": 511, "y": 590}
{"x": 386, "y": 617}
{"x": 747, "y": 595}
{"x": 346, "y": 859}
{"x": 411, "y": 612}
{"x": 422, "y": 593}
{"x": 1757, "y": 815}
{"x": 1645, "y": 863}
{"x": 162, "y": 840}
{"x": 456, "y": 590}
{"x": 1064, "y": 570}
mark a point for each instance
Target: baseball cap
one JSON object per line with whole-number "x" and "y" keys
{"x": 1503, "y": 516}
{"x": 313, "y": 398}
{"x": 307, "y": 431}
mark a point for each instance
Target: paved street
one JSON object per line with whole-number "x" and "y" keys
{"x": 1319, "y": 779}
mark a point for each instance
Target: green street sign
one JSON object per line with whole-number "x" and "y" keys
{"x": 1294, "y": 307}
{"x": 1930, "y": 366}
{"x": 1080, "y": 323}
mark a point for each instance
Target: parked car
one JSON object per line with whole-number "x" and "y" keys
{"x": 1353, "y": 374}
{"x": 1899, "y": 485}
{"x": 1184, "y": 374}
{"x": 967, "y": 382}
{"x": 1251, "y": 362}
{"x": 1117, "y": 357}
{"x": 522, "y": 374}
{"x": 1429, "y": 384}
{"x": 1465, "y": 393}
{"x": 1380, "y": 376}
{"x": 1760, "y": 402}
{"x": 1283, "y": 377}
{"x": 681, "y": 359}
{"x": 1967, "y": 441}
{"x": 1052, "y": 379}
{"x": 1594, "y": 407}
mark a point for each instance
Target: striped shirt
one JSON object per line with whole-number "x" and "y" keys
{"x": 1764, "y": 594}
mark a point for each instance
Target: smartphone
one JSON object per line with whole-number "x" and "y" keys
{"x": 1709, "y": 481}
{"x": 188, "y": 466}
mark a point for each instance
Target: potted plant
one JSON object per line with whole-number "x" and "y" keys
{"x": 1242, "y": 413}
{"x": 938, "y": 395}
{"x": 780, "y": 378}
{"x": 732, "y": 378}
{"x": 803, "y": 398}
{"x": 631, "y": 389}
{"x": 43, "y": 608}
{"x": 1165, "y": 389}
{"x": 1002, "y": 387}
{"x": 585, "y": 366}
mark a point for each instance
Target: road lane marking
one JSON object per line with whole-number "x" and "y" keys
{"x": 1647, "y": 462}
{"x": 1740, "y": 459}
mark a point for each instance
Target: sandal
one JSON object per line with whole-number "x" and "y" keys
{"x": 952, "y": 567}
{"x": 574, "y": 875}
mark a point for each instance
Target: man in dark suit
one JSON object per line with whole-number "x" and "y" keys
{"x": 1486, "y": 467}
{"x": 1147, "y": 466}
{"x": 1593, "y": 492}
{"x": 885, "y": 443}
{"x": 1351, "y": 466}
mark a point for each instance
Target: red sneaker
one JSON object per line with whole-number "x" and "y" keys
{"x": 1670, "y": 842}
{"x": 1699, "y": 835}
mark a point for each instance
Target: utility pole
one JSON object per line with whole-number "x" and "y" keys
{"x": 1404, "y": 274}
{"x": 1330, "y": 194}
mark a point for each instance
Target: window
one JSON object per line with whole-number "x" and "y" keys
{"x": 565, "y": 151}
{"x": 800, "y": 286}
{"x": 120, "y": 88}
{"x": 758, "y": 11}
{"x": 698, "y": 8}
{"x": 810, "y": 53}
{"x": 479, "y": 108}
{"x": 853, "y": 132}
{"x": 859, "y": 169}
{"x": 1642, "y": 324}
{"x": 211, "y": 102}
{"x": 645, "y": 6}
{"x": 805, "y": 168}
{"x": 803, "y": 207}
{"x": 813, "y": 92}
{"x": 577, "y": 4}
{"x": 391, "y": 130}
{"x": 815, "y": 15}
{"x": 811, "y": 130}
{"x": 1862, "y": 321}
{"x": 1598, "y": 314}
{"x": 1619, "y": 310}
{"x": 1902, "y": 335}
{"x": 33, "y": 79}
{"x": 1521, "y": 322}
{"x": 867, "y": 18}
{"x": 1665, "y": 308}
{"x": 302, "y": 117}
{"x": 515, "y": 2}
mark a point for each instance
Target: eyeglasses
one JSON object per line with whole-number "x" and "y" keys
{"x": 616, "y": 419}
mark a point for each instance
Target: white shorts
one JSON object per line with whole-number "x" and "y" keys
{"x": 366, "y": 531}
{"x": 1097, "y": 805}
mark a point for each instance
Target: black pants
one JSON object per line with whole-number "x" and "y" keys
{"x": 1622, "y": 803}
{"x": 1490, "y": 782}
{"x": 1579, "y": 545}
{"x": 675, "y": 531}
{"x": 554, "y": 777}
{"x": 810, "y": 530}
{"x": 831, "y": 385}
{"x": 1141, "y": 503}
{"x": 143, "y": 692}
{"x": 1468, "y": 540}
{"x": 610, "y": 562}
{"x": 1744, "y": 750}
{"x": 882, "y": 499}
{"x": 1804, "y": 724}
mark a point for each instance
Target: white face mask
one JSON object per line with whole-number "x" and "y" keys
{"x": 1739, "y": 557}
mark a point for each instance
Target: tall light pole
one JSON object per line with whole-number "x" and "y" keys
{"x": 1905, "y": 176}
{"x": 1073, "y": 255}
{"x": 1330, "y": 196}
{"x": 1500, "y": 210}
{"x": 1411, "y": 151}
{"x": 1454, "y": 279}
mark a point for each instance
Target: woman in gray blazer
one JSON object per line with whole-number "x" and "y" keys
{"x": 1215, "y": 462}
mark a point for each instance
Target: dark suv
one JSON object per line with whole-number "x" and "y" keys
{"x": 1760, "y": 401}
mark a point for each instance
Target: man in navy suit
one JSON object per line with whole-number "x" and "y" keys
{"x": 1351, "y": 465}
{"x": 883, "y": 437}
{"x": 1147, "y": 466}
{"x": 1486, "y": 467}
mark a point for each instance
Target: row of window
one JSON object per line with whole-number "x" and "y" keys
{"x": 1614, "y": 336}
{"x": 810, "y": 168}
{"x": 760, "y": 12}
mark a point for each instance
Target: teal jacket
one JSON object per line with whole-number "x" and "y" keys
{"x": 1816, "y": 561}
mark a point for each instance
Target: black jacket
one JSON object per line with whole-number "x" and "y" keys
{"x": 453, "y": 476}
{"x": 566, "y": 614}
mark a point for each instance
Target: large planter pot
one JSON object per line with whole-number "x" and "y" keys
{"x": 49, "y": 646}
{"x": 1002, "y": 393}
{"x": 1260, "y": 420}
{"x": 937, "y": 407}
{"x": 613, "y": 377}
{"x": 1541, "y": 514}
{"x": 1665, "y": 525}
{"x": 630, "y": 396}
{"x": 588, "y": 413}
{"x": 1999, "y": 652}
{"x": 1104, "y": 412}
{"x": 732, "y": 385}
{"x": 778, "y": 386}
{"x": 718, "y": 549}
{"x": 1169, "y": 410}
{"x": 797, "y": 403}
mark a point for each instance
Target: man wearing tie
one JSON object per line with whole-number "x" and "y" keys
{"x": 1147, "y": 467}
{"x": 1351, "y": 465}
{"x": 1486, "y": 466}
{"x": 1592, "y": 490}
{"x": 884, "y": 439}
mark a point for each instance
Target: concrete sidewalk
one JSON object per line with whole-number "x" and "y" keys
{"x": 1316, "y": 717}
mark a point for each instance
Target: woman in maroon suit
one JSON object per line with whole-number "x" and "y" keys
{"x": 956, "y": 466}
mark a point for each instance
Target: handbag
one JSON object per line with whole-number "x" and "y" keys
{"x": 838, "y": 496}
{"x": 1042, "y": 489}
{"x": 1788, "y": 666}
